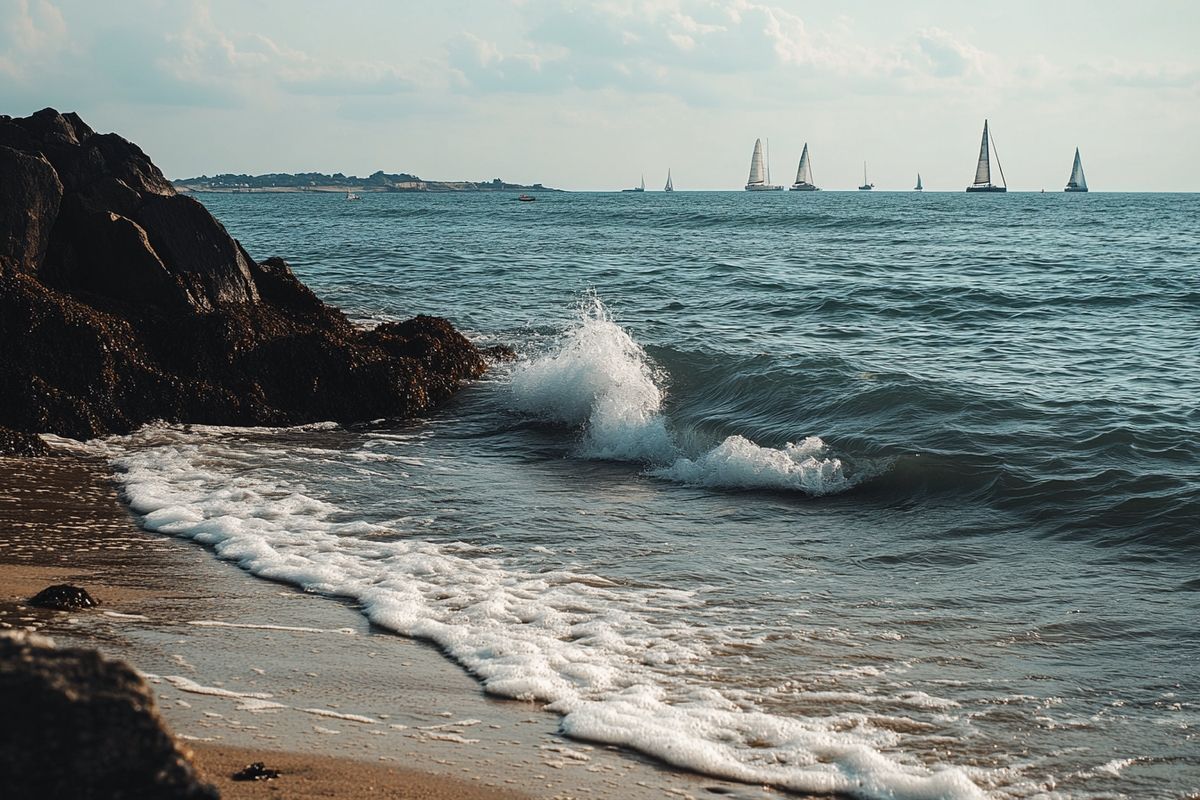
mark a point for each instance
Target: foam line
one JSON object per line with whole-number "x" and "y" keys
{"x": 621, "y": 665}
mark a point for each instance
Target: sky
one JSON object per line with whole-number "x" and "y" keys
{"x": 595, "y": 93}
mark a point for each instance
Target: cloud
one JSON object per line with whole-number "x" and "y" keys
{"x": 479, "y": 64}
{"x": 30, "y": 32}
{"x": 702, "y": 51}
{"x": 945, "y": 56}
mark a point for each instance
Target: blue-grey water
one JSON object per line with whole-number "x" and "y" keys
{"x": 890, "y": 494}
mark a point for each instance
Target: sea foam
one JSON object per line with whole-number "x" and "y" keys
{"x": 599, "y": 379}
{"x": 622, "y": 665}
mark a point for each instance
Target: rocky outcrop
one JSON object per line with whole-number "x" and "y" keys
{"x": 63, "y": 597}
{"x": 79, "y": 725}
{"x": 123, "y": 302}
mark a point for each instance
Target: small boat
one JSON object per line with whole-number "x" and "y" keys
{"x": 641, "y": 188}
{"x": 804, "y": 178}
{"x": 983, "y": 169}
{"x": 526, "y": 198}
{"x": 918, "y": 187}
{"x": 866, "y": 184}
{"x": 352, "y": 196}
{"x": 1076, "y": 183}
{"x": 760, "y": 171}
{"x": 670, "y": 187}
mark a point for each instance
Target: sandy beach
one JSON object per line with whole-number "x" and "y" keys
{"x": 249, "y": 670}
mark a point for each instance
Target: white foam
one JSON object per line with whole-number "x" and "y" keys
{"x": 212, "y": 623}
{"x": 598, "y": 378}
{"x": 246, "y": 701}
{"x": 620, "y": 664}
{"x": 324, "y": 712}
{"x": 187, "y": 685}
{"x": 741, "y": 464}
{"x": 1115, "y": 766}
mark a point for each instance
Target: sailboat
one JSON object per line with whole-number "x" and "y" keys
{"x": 760, "y": 175}
{"x": 670, "y": 187}
{"x": 918, "y": 187}
{"x": 640, "y": 188}
{"x": 866, "y": 184}
{"x": 804, "y": 179}
{"x": 1077, "y": 183}
{"x": 983, "y": 170}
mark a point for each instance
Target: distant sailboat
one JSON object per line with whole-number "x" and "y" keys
{"x": 760, "y": 177}
{"x": 983, "y": 170}
{"x": 1077, "y": 182}
{"x": 804, "y": 179}
{"x": 866, "y": 184}
{"x": 670, "y": 187}
{"x": 918, "y": 187}
{"x": 640, "y": 188}
{"x": 352, "y": 196}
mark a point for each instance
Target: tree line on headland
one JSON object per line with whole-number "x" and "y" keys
{"x": 379, "y": 181}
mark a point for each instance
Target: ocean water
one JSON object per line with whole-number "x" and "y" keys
{"x": 885, "y": 495}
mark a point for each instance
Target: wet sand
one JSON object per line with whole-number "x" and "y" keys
{"x": 249, "y": 670}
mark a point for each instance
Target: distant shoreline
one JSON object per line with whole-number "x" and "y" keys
{"x": 184, "y": 188}
{"x": 322, "y": 183}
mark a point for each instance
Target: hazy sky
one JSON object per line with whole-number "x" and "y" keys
{"x": 592, "y": 94}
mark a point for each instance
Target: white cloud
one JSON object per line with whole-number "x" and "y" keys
{"x": 946, "y": 56}
{"x": 31, "y": 31}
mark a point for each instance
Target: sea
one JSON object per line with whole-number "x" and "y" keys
{"x": 881, "y": 495}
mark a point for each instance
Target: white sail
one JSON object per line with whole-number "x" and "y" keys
{"x": 983, "y": 170}
{"x": 1077, "y": 180}
{"x": 670, "y": 187}
{"x": 758, "y": 172}
{"x": 919, "y": 186}
{"x": 804, "y": 171}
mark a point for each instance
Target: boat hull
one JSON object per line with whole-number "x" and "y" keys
{"x": 762, "y": 187}
{"x": 804, "y": 187}
{"x": 988, "y": 189}
{"x": 1074, "y": 189}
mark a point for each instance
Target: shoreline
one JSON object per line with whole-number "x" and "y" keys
{"x": 247, "y": 667}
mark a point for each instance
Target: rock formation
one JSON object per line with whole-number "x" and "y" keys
{"x": 79, "y": 725}
{"x": 123, "y": 302}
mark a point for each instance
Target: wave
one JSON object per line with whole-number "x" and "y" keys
{"x": 621, "y": 665}
{"x": 597, "y": 378}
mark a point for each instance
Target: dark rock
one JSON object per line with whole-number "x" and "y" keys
{"x": 104, "y": 253}
{"x": 198, "y": 251}
{"x": 256, "y": 772}
{"x": 16, "y": 443}
{"x": 63, "y": 597}
{"x": 31, "y": 197}
{"x": 122, "y": 302}
{"x": 79, "y": 725}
